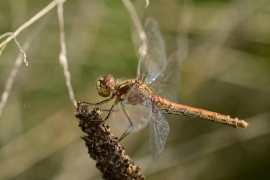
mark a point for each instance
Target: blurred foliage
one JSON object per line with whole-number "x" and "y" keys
{"x": 227, "y": 70}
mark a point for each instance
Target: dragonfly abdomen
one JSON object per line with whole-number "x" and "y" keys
{"x": 166, "y": 106}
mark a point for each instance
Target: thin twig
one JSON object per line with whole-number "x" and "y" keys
{"x": 138, "y": 25}
{"x": 31, "y": 21}
{"x": 135, "y": 19}
{"x": 111, "y": 158}
{"x": 63, "y": 53}
{"x": 17, "y": 64}
{"x": 6, "y": 34}
{"x": 147, "y": 3}
{"x": 22, "y": 51}
{"x": 18, "y": 44}
{"x": 2, "y": 36}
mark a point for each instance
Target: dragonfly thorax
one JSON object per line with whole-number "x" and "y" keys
{"x": 105, "y": 85}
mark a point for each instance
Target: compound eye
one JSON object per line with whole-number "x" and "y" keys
{"x": 105, "y": 85}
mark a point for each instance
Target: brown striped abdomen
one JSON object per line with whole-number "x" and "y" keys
{"x": 166, "y": 106}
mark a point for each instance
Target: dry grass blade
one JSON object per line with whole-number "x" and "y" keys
{"x": 31, "y": 21}
{"x": 135, "y": 18}
{"x": 111, "y": 158}
{"x": 20, "y": 58}
{"x": 63, "y": 53}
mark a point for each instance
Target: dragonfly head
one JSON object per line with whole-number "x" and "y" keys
{"x": 105, "y": 85}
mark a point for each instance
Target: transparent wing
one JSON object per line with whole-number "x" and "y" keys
{"x": 159, "y": 130}
{"x": 136, "y": 111}
{"x": 153, "y": 61}
{"x": 167, "y": 84}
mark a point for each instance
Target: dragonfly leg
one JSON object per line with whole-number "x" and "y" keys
{"x": 129, "y": 129}
{"x": 99, "y": 103}
{"x": 109, "y": 113}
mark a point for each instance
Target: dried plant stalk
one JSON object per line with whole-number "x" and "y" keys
{"x": 111, "y": 159}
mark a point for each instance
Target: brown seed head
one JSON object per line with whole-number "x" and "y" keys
{"x": 111, "y": 158}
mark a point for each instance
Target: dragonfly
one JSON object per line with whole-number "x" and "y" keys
{"x": 150, "y": 95}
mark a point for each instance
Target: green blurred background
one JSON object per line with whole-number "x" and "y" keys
{"x": 227, "y": 70}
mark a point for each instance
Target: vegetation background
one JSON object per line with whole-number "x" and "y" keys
{"x": 227, "y": 70}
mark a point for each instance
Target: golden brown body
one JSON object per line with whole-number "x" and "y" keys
{"x": 166, "y": 106}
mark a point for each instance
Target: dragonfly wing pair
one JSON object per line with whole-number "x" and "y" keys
{"x": 160, "y": 74}
{"x": 155, "y": 71}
